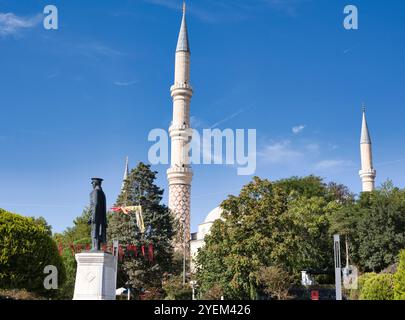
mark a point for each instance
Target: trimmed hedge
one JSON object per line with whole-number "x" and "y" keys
{"x": 25, "y": 250}
{"x": 399, "y": 278}
{"x": 378, "y": 287}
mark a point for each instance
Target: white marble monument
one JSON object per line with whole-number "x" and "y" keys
{"x": 96, "y": 276}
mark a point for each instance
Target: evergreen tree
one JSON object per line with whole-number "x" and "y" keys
{"x": 140, "y": 189}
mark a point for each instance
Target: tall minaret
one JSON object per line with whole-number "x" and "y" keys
{"x": 367, "y": 172}
{"x": 126, "y": 173}
{"x": 180, "y": 173}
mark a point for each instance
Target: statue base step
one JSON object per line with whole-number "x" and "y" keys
{"x": 96, "y": 276}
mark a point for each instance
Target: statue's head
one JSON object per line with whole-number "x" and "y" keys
{"x": 96, "y": 182}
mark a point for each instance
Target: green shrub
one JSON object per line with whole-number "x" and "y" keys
{"x": 275, "y": 281}
{"x": 354, "y": 294}
{"x": 19, "y": 294}
{"x": 214, "y": 293}
{"x": 378, "y": 287}
{"x": 399, "y": 278}
{"x": 25, "y": 250}
{"x": 175, "y": 290}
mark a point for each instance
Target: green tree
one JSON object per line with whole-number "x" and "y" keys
{"x": 344, "y": 222}
{"x": 275, "y": 281}
{"x": 399, "y": 278}
{"x": 282, "y": 223}
{"x": 214, "y": 293}
{"x": 375, "y": 227}
{"x": 42, "y": 222}
{"x": 140, "y": 189}
{"x": 378, "y": 287}
{"x": 25, "y": 250}
{"x": 381, "y": 229}
{"x": 80, "y": 231}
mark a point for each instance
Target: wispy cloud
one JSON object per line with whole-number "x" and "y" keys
{"x": 232, "y": 10}
{"x": 125, "y": 83}
{"x": 327, "y": 165}
{"x": 312, "y": 147}
{"x": 95, "y": 49}
{"x": 233, "y": 115}
{"x": 298, "y": 129}
{"x": 350, "y": 49}
{"x": 280, "y": 152}
{"x": 347, "y": 50}
{"x": 170, "y": 4}
{"x": 302, "y": 156}
{"x": 11, "y": 24}
{"x": 289, "y": 7}
{"x": 386, "y": 163}
{"x": 196, "y": 122}
{"x": 217, "y": 11}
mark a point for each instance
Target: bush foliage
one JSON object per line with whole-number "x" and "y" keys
{"x": 175, "y": 290}
{"x": 275, "y": 281}
{"x": 399, "y": 280}
{"x": 378, "y": 287}
{"x": 25, "y": 250}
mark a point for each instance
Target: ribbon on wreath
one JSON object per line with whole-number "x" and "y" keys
{"x": 127, "y": 210}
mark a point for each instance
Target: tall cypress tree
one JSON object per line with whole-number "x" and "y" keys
{"x": 140, "y": 189}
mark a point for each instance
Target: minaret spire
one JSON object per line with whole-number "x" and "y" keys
{"x": 180, "y": 174}
{"x": 367, "y": 172}
{"x": 365, "y": 134}
{"x": 126, "y": 174}
{"x": 182, "y": 42}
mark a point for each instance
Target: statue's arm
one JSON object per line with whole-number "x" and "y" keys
{"x": 92, "y": 208}
{"x": 105, "y": 211}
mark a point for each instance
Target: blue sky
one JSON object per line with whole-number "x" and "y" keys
{"x": 74, "y": 102}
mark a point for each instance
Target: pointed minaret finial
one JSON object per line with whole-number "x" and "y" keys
{"x": 182, "y": 43}
{"x": 126, "y": 173}
{"x": 365, "y": 134}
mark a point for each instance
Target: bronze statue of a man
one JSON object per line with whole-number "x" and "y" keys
{"x": 98, "y": 220}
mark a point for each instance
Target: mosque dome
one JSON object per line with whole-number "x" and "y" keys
{"x": 214, "y": 215}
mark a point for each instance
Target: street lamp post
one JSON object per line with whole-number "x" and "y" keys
{"x": 193, "y": 286}
{"x": 338, "y": 267}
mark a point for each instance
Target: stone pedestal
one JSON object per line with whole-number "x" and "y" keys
{"x": 96, "y": 276}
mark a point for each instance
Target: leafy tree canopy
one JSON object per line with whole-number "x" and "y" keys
{"x": 26, "y": 248}
{"x": 375, "y": 227}
{"x": 282, "y": 223}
